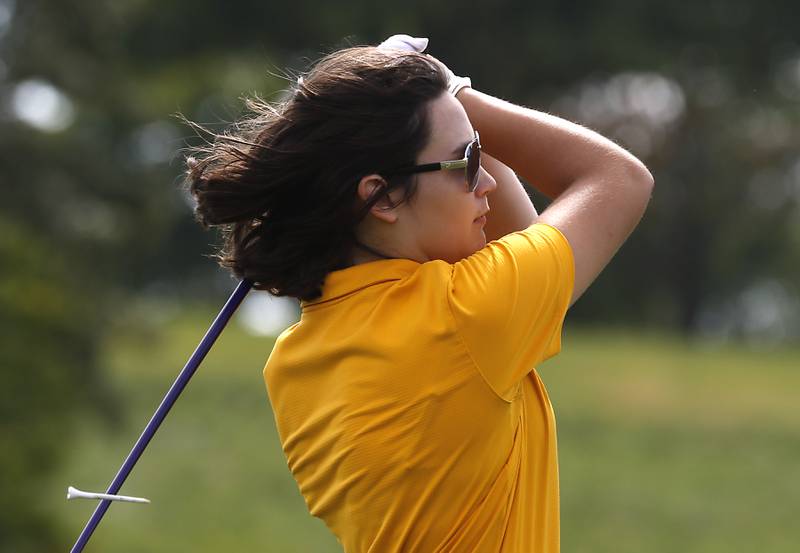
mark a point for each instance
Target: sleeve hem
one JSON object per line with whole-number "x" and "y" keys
{"x": 469, "y": 353}
{"x": 555, "y": 347}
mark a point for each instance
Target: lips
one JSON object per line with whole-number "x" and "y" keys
{"x": 481, "y": 216}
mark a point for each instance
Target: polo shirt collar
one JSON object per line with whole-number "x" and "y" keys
{"x": 351, "y": 279}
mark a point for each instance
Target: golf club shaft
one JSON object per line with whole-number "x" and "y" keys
{"x": 166, "y": 404}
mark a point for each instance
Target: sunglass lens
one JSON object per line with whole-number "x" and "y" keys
{"x": 473, "y": 165}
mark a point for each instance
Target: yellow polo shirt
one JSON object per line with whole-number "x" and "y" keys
{"x": 408, "y": 406}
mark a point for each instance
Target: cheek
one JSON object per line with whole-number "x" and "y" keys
{"x": 445, "y": 218}
{"x": 456, "y": 218}
{"x": 455, "y": 232}
{"x": 440, "y": 208}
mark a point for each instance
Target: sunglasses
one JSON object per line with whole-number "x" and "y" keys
{"x": 471, "y": 163}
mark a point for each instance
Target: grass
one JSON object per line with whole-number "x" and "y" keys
{"x": 664, "y": 445}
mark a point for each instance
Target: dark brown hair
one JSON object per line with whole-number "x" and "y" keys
{"x": 282, "y": 183}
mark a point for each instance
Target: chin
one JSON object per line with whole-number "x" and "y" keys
{"x": 465, "y": 250}
{"x": 476, "y": 247}
{"x": 481, "y": 243}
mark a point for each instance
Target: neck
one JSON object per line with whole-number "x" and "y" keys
{"x": 373, "y": 254}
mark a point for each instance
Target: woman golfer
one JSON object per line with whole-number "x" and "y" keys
{"x": 406, "y": 398}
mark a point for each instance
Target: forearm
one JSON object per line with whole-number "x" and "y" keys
{"x": 511, "y": 209}
{"x": 548, "y": 152}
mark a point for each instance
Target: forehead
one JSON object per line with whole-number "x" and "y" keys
{"x": 450, "y": 126}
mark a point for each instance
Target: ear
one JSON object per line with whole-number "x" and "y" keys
{"x": 385, "y": 209}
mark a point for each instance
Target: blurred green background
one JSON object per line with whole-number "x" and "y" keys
{"x": 675, "y": 394}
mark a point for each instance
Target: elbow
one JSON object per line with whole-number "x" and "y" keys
{"x": 640, "y": 175}
{"x": 648, "y": 182}
{"x": 640, "y": 181}
{"x": 632, "y": 177}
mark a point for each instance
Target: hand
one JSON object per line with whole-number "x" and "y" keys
{"x": 412, "y": 44}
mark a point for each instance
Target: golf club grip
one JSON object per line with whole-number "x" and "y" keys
{"x": 175, "y": 390}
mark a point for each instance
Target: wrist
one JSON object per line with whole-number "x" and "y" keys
{"x": 463, "y": 92}
{"x": 456, "y": 84}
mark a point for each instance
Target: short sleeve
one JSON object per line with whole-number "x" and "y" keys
{"x": 509, "y": 301}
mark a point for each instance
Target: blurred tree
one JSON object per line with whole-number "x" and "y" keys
{"x": 77, "y": 225}
{"x": 48, "y": 377}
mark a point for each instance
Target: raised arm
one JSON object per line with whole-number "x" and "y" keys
{"x": 599, "y": 190}
{"x": 511, "y": 207}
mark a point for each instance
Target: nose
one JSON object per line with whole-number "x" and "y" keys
{"x": 486, "y": 183}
